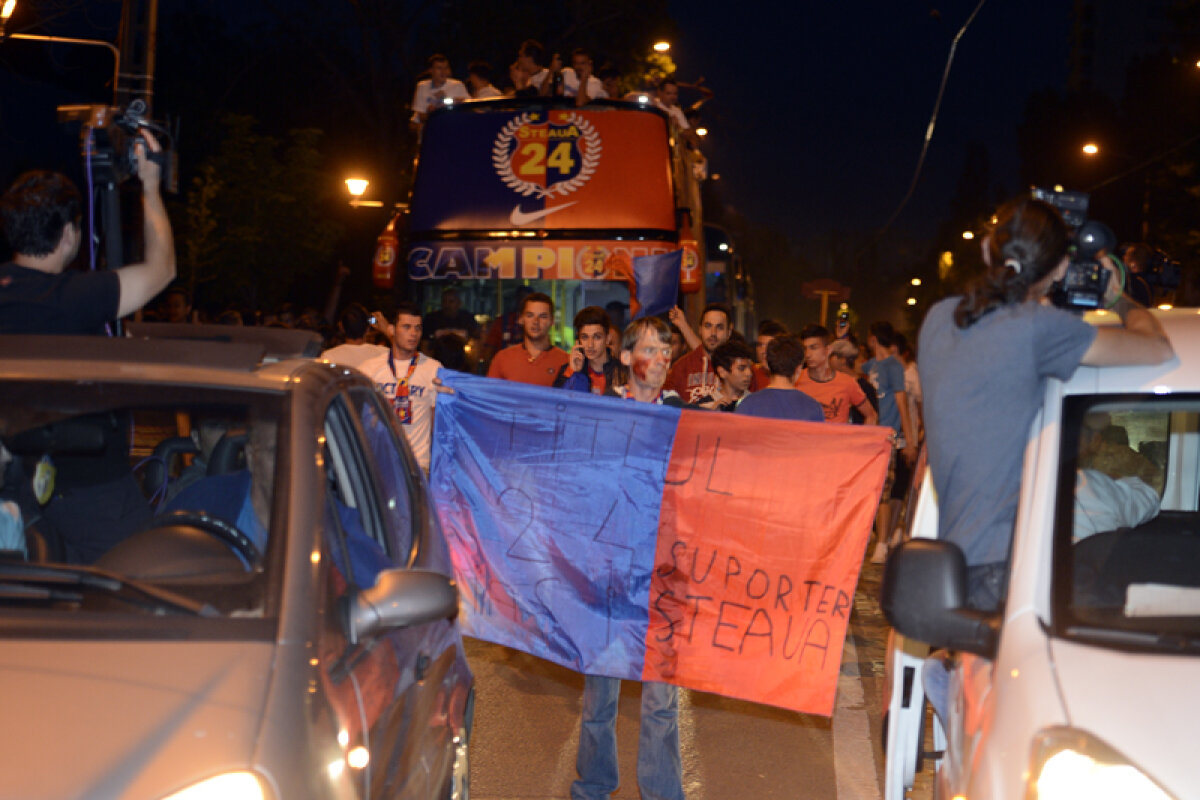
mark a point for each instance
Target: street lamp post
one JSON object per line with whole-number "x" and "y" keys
{"x": 6, "y": 12}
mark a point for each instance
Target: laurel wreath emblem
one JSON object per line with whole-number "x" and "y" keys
{"x": 502, "y": 158}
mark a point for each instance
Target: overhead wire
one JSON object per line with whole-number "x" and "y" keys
{"x": 937, "y": 106}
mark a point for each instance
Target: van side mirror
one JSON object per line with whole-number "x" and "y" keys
{"x": 924, "y": 598}
{"x": 400, "y": 598}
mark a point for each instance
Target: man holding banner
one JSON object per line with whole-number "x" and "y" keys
{"x": 674, "y": 548}
{"x": 405, "y": 375}
{"x": 646, "y": 353}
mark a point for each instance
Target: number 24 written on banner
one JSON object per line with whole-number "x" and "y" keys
{"x": 536, "y": 161}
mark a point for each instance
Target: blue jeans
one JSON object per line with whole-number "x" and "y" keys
{"x": 987, "y": 586}
{"x": 659, "y": 768}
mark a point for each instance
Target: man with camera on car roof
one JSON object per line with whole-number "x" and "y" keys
{"x": 42, "y": 220}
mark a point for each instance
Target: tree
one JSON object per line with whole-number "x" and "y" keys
{"x": 257, "y": 226}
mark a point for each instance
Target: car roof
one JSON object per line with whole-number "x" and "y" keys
{"x": 1180, "y": 374}
{"x": 252, "y": 358}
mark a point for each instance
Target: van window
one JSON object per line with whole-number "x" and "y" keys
{"x": 1127, "y": 529}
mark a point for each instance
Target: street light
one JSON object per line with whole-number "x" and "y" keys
{"x": 915, "y": 281}
{"x": 357, "y": 187}
{"x": 662, "y": 47}
{"x": 702, "y": 132}
{"x": 6, "y": 12}
{"x": 1090, "y": 149}
{"x": 912, "y": 301}
{"x": 968, "y": 235}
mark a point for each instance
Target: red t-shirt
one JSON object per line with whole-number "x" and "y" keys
{"x": 514, "y": 364}
{"x": 694, "y": 376}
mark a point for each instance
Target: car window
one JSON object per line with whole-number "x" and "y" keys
{"x": 1127, "y": 535}
{"x": 168, "y": 486}
{"x": 393, "y": 468}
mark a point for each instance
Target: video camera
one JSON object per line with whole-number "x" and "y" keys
{"x": 1086, "y": 280}
{"x": 1160, "y": 272}
{"x": 114, "y": 133}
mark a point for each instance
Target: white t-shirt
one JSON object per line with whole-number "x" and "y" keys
{"x": 488, "y": 92}
{"x": 595, "y": 87}
{"x": 538, "y": 78}
{"x": 427, "y": 96}
{"x": 675, "y": 113}
{"x": 353, "y": 355}
{"x": 387, "y": 374}
{"x": 912, "y": 390}
{"x": 1105, "y": 504}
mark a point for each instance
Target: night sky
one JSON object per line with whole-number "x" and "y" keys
{"x": 819, "y": 112}
{"x": 821, "y": 107}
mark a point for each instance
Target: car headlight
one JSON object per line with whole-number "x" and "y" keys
{"x": 1068, "y": 763}
{"x": 226, "y": 786}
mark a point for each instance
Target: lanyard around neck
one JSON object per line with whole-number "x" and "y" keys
{"x": 412, "y": 366}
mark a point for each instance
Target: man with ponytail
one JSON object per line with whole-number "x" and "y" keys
{"x": 984, "y": 358}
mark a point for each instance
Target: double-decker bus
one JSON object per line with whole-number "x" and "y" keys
{"x": 542, "y": 194}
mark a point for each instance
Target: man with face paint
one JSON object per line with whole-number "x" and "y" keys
{"x": 646, "y": 352}
{"x": 591, "y": 364}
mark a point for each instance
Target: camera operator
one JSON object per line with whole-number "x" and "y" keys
{"x": 41, "y": 216}
{"x": 1138, "y": 257}
{"x": 984, "y": 359}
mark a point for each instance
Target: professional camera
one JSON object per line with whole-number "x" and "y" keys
{"x": 1086, "y": 280}
{"x": 113, "y": 134}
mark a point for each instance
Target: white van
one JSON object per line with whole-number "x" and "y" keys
{"x": 1087, "y": 683}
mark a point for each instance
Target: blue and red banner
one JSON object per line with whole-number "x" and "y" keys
{"x": 713, "y": 551}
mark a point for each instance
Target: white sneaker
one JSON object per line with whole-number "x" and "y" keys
{"x": 881, "y": 553}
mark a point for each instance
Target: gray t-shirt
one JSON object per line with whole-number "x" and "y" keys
{"x": 983, "y": 386}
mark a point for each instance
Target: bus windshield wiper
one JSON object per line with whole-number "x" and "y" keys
{"x": 61, "y": 583}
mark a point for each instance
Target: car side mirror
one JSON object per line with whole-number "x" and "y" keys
{"x": 924, "y": 598}
{"x": 400, "y": 598}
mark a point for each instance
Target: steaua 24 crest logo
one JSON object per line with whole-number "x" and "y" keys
{"x": 545, "y": 155}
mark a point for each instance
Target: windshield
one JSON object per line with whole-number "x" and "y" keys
{"x": 1127, "y": 543}
{"x": 135, "y": 500}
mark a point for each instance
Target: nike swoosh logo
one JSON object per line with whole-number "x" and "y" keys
{"x": 519, "y": 217}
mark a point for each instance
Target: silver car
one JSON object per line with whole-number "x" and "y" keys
{"x": 220, "y": 577}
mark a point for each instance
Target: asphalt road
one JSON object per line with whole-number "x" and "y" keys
{"x": 527, "y": 720}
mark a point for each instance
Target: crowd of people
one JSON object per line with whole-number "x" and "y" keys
{"x": 987, "y": 353}
{"x": 811, "y": 376}
{"x": 534, "y": 74}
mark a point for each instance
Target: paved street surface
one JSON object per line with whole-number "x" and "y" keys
{"x": 527, "y": 720}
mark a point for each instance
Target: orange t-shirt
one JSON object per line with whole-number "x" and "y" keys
{"x": 513, "y": 364}
{"x": 836, "y": 395}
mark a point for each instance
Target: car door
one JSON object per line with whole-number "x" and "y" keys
{"x": 412, "y": 741}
